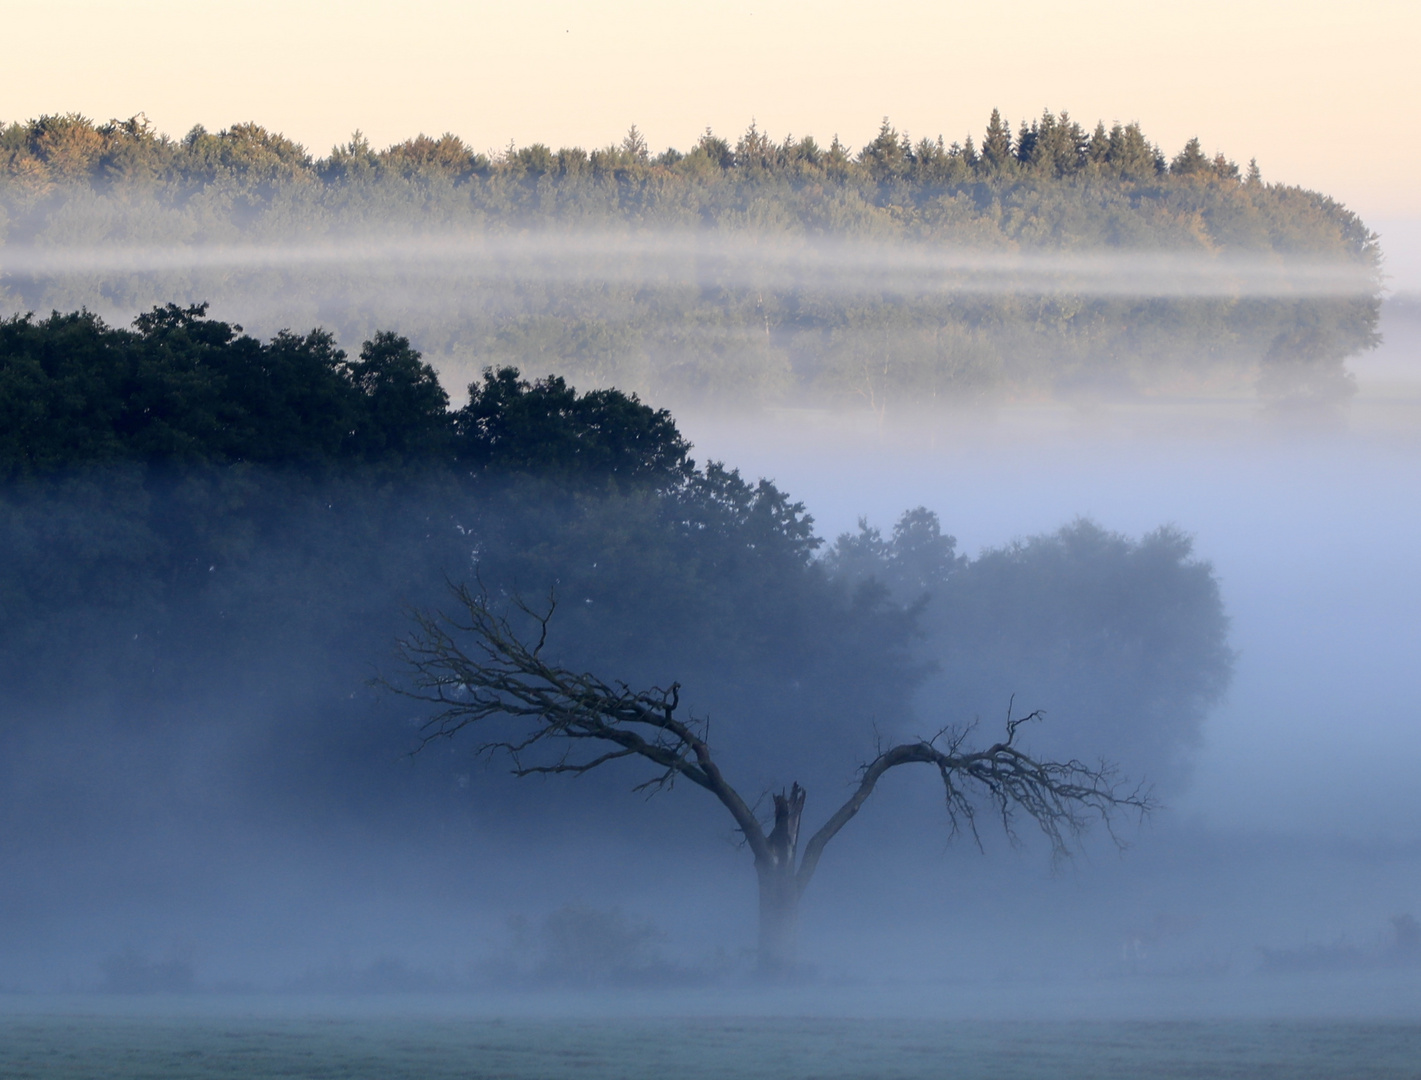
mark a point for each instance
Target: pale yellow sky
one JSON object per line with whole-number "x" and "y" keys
{"x": 1323, "y": 94}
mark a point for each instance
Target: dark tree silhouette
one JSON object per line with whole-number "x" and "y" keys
{"x": 477, "y": 670}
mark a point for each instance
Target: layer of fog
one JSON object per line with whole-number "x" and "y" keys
{"x": 1299, "y": 829}
{"x": 672, "y": 259}
{"x": 1314, "y": 535}
{"x": 1400, "y": 238}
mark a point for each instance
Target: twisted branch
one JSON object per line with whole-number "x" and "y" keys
{"x": 1061, "y": 797}
{"x": 502, "y": 676}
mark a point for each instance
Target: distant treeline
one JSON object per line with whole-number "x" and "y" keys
{"x": 892, "y": 173}
{"x": 67, "y": 183}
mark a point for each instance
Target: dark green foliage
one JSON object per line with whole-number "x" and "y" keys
{"x": 183, "y": 390}
{"x": 549, "y": 430}
{"x": 407, "y": 411}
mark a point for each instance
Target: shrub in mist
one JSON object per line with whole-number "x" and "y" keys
{"x": 582, "y": 947}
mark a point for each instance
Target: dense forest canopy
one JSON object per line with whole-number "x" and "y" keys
{"x": 700, "y": 325}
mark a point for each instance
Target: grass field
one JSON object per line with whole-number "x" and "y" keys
{"x": 115, "y": 1044}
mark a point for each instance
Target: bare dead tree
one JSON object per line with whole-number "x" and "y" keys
{"x": 585, "y": 722}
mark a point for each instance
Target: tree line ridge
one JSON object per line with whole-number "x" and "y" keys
{"x": 49, "y": 153}
{"x": 70, "y": 146}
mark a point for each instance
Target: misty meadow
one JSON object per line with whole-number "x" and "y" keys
{"x": 442, "y": 585}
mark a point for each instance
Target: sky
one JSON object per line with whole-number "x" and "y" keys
{"x": 1320, "y": 93}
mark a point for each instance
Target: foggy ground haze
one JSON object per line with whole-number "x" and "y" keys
{"x": 1245, "y": 856}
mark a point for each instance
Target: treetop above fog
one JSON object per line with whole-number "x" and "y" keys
{"x": 182, "y": 389}
{"x": 1053, "y": 184}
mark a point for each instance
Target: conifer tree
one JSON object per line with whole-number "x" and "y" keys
{"x": 997, "y": 146}
{"x": 1190, "y": 160}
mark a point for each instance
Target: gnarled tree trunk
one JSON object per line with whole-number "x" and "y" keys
{"x": 780, "y": 888}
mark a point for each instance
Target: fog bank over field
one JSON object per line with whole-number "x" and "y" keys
{"x": 754, "y": 319}
{"x": 686, "y": 259}
{"x": 734, "y": 321}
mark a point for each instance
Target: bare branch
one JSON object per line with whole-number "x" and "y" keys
{"x": 560, "y": 713}
{"x": 1062, "y": 798}
{"x": 502, "y": 677}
